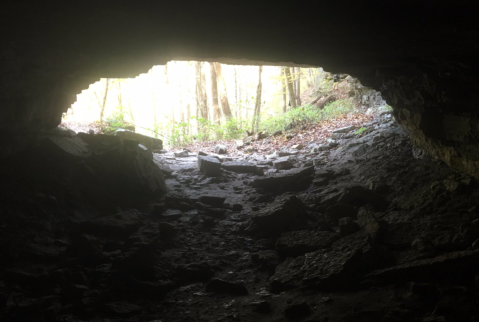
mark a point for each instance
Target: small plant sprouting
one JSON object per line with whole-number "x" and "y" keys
{"x": 360, "y": 131}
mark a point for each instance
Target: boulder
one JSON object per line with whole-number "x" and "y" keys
{"x": 283, "y": 215}
{"x": 181, "y": 154}
{"x": 282, "y": 163}
{"x": 209, "y": 166}
{"x": 65, "y": 148}
{"x": 329, "y": 270}
{"x": 141, "y": 174}
{"x": 151, "y": 143}
{"x": 220, "y": 149}
{"x": 164, "y": 167}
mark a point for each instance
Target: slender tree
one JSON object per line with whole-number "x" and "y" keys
{"x": 103, "y": 103}
{"x": 167, "y": 91}
{"x": 257, "y": 108}
{"x": 236, "y": 94}
{"x": 298, "y": 86}
{"x": 283, "y": 89}
{"x": 214, "y": 95}
{"x": 120, "y": 99}
{"x": 289, "y": 81}
{"x": 223, "y": 94}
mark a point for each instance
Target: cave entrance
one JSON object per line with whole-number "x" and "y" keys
{"x": 186, "y": 102}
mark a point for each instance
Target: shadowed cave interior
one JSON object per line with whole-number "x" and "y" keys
{"x": 94, "y": 228}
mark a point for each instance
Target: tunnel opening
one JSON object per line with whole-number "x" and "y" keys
{"x": 97, "y": 228}
{"x": 187, "y": 102}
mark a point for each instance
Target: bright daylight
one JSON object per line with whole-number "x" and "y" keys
{"x": 190, "y": 104}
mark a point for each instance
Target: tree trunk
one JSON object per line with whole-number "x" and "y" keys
{"x": 105, "y": 95}
{"x": 204, "y": 97}
{"x": 289, "y": 81}
{"x": 223, "y": 94}
{"x": 214, "y": 94}
{"x": 120, "y": 99}
{"x": 283, "y": 90}
{"x": 257, "y": 108}
{"x": 236, "y": 94}
{"x": 298, "y": 86}
{"x": 167, "y": 87}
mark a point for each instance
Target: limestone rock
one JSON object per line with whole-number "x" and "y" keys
{"x": 283, "y": 215}
{"x": 181, "y": 154}
{"x": 220, "y": 149}
{"x": 344, "y": 129}
{"x": 139, "y": 170}
{"x": 64, "y": 147}
{"x": 297, "y": 243}
{"x": 209, "y": 166}
{"x": 152, "y": 144}
{"x": 282, "y": 163}
{"x": 327, "y": 270}
{"x": 239, "y": 166}
{"x": 288, "y": 180}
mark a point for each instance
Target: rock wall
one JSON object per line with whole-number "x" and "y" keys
{"x": 421, "y": 55}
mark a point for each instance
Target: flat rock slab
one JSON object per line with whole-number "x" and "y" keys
{"x": 124, "y": 308}
{"x": 344, "y": 129}
{"x": 239, "y": 166}
{"x": 322, "y": 270}
{"x": 297, "y": 243}
{"x": 287, "y": 180}
{"x": 66, "y": 147}
{"x": 283, "y": 215}
{"x": 463, "y": 262}
{"x": 327, "y": 270}
{"x": 209, "y": 166}
{"x": 148, "y": 141}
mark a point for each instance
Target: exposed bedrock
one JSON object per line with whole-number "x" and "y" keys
{"x": 422, "y": 55}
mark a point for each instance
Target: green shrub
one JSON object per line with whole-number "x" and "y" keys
{"x": 308, "y": 114}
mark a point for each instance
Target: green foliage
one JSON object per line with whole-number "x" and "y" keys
{"x": 307, "y": 114}
{"x": 360, "y": 131}
{"x": 178, "y": 134}
{"x": 114, "y": 122}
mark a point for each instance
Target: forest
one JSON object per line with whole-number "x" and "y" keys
{"x": 184, "y": 101}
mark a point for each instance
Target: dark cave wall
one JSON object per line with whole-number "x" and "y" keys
{"x": 422, "y": 55}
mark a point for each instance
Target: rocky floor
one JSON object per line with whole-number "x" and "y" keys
{"x": 366, "y": 228}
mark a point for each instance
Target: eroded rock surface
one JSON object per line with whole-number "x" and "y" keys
{"x": 239, "y": 246}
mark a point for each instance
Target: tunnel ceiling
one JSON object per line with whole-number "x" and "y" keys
{"x": 422, "y": 55}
